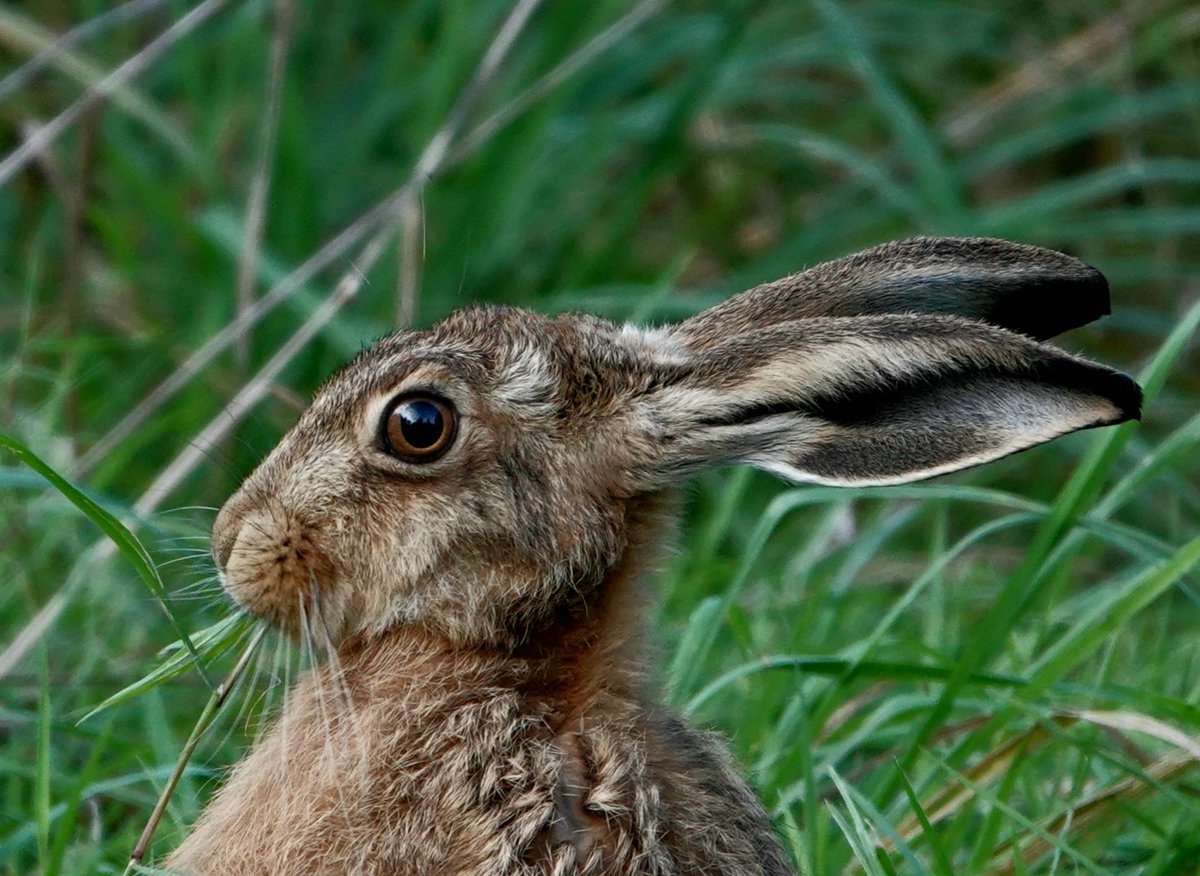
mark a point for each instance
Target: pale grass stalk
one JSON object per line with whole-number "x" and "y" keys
{"x": 429, "y": 163}
{"x": 560, "y": 73}
{"x": 347, "y": 288}
{"x": 20, "y": 35}
{"x": 32, "y": 631}
{"x": 55, "y": 52}
{"x": 261, "y": 383}
{"x": 1031, "y": 845}
{"x": 260, "y": 184}
{"x": 1062, "y": 65}
{"x": 126, "y": 72}
{"x": 180, "y": 467}
{"x": 437, "y": 151}
{"x": 412, "y": 258}
{"x": 242, "y": 403}
{"x": 223, "y": 339}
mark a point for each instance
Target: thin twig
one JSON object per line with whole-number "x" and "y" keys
{"x": 126, "y": 72}
{"x": 73, "y": 271}
{"x": 221, "y": 341}
{"x": 17, "y": 79}
{"x": 247, "y": 397}
{"x": 215, "y": 701}
{"x": 430, "y": 162}
{"x": 260, "y": 185}
{"x": 434, "y": 156}
{"x": 22, "y": 35}
{"x": 412, "y": 257}
{"x": 560, "y": 73}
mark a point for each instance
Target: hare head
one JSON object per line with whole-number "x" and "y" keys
{"x": 481, "y": 478}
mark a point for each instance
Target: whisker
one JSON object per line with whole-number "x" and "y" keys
{"x": 252, "y": 695}
{"x": 276, "y": 683}
{"x": 338, "y": 677}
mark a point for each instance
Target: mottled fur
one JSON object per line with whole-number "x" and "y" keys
{"x": 484, "y": 709}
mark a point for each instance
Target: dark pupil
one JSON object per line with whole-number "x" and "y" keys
{"x": 420, "y": 423}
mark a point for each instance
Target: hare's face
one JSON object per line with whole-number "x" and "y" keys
{"x": 483, "y": 476}
{"x": 469, "y": 478}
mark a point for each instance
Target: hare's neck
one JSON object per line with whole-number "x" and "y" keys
{"x": 588, "y": 661}
{"x": 589, "y": 654}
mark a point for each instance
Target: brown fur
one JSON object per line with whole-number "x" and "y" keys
{"x": 484, "y": 708}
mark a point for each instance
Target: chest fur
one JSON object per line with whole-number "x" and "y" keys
{"x": 429, "y": 771}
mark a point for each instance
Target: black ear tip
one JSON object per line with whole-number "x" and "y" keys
{"x": 1051, "y": 294}
{"x": 1097, "y": 283}
{"x": 1125, "y": 393}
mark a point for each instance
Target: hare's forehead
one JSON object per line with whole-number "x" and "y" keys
{"x": 518, "y": 372}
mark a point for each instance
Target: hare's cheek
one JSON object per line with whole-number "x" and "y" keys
{"x": 277, "y": 570}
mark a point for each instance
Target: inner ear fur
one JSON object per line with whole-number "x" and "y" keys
{"x": 1027, "y": 289}
{"x": 879, "y": 400}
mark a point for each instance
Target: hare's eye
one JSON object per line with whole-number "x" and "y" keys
{"x": 418, "y": 428}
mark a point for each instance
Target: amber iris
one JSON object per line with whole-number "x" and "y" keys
{"x": 418, "y": 428}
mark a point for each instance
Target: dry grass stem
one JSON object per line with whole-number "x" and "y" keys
{"x": 557, "y": 75}
{"x": 1091, "y": 811}
{"x": 260, "y": 185}
{"x": 258, "y": 387}
{"x": 969, "y": 125}
{"x": 213, "y": 707}
{"x": 54, "y": 53}
{"x": 411, "y": 253}
{"x": 126, "y": 72}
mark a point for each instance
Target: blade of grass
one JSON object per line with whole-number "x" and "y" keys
{"x": 1034, "y": 842}
{"x": 211, "y": 709}
{"x": 1108, "y": 616}
{"x": 935, "y": 179}
{"x": 687, "y": 666}
{"x": 823, "y": 665}
{"x": 98, "y": 91}
{"x": 1055, "y": 842}
{"x": 855, "y": 830}
{"x": 22, "y": 34}
{"x": 260, "y": 184}
{"x": 211, "y": 642}
{"x": 430, "y": 162}
{"x": 118, "y": 534}
{"x": 41, "y": 806}
{"x": 941, "y": 862}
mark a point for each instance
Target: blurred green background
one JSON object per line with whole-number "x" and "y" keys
{"x": 997, "y": 672}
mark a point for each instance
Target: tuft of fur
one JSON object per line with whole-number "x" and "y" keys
{"x": 484, "y": 708}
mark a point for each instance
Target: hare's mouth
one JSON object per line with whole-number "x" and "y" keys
{"x": 276, "y": 569}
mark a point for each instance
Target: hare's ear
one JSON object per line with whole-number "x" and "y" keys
{"x": 874, "y": 400}
{"x": 1027, "y": 289}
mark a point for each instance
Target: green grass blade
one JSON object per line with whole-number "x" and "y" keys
{"x": 1108, "y": 616}
{"x": 941, "y": 861}
{"x": 41, "y": 805}
{"x": 210, "y": 642}
{"x": 918, "y": 143}
{"x": 124, "y": 540}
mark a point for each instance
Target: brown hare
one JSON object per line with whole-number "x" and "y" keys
{"x": 465, "y": 515}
